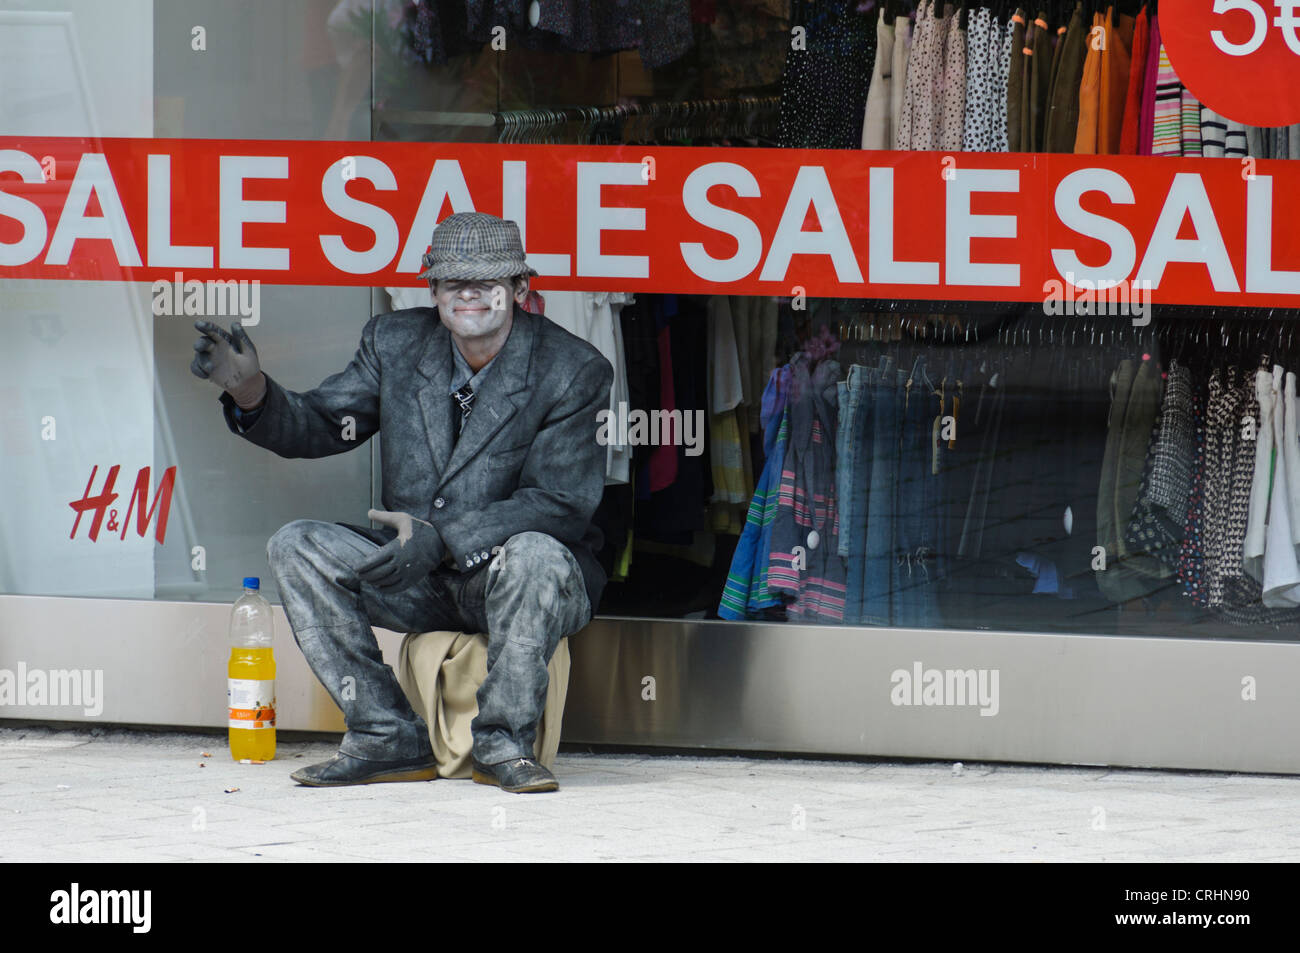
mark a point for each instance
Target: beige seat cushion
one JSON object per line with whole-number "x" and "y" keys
{"x": 441, "y": 673}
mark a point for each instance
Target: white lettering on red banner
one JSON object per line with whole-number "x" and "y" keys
{"x": 914, "y": 225}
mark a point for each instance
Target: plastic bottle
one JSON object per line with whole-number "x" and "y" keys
{"x": 250, "y": 689}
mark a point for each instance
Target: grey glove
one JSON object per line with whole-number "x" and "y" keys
{"x": 229, "y": 360}
{"x": 404, "y": 561}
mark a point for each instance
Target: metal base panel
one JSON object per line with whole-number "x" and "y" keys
{"x": 944, "y": 694}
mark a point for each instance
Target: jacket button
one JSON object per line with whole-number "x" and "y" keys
{"x": 439, "y": 503}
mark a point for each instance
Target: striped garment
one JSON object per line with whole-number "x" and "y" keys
{"x": 1221, "y": 136}
{"x": 745, "y": 594}
{"x": 1167, "y": 135}
{"x": 804, "y": 563}
{"x": 816, "y": 576}
{"x": 1190, "y": 111}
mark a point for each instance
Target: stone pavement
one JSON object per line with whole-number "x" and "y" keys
{"x": 112, "y": 794}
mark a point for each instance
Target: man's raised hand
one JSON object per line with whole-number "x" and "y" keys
{"x": 229, "y": 360}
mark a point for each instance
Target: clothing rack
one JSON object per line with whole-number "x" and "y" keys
{"x": 747, "y": 117}
{"x": 849, "y": 307}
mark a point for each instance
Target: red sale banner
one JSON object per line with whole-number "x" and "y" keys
{"x": 906, "y": 225}
{"x": 1241, "y": 58}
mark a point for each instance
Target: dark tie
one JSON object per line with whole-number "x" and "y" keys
{"x": 465, "y": 398}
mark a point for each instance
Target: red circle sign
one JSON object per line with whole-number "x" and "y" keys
{"x": 1241, "y": 58}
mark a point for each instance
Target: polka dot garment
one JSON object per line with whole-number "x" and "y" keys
{"x": 1191, "y": 558}
{"x": 1000, "y": 48}
{"x": 977, "y": 119}
{"x": 824, "y": 89}
{"x": 952, "y": 92}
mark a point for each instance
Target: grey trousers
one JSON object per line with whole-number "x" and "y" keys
{"x": 526, "y": 599}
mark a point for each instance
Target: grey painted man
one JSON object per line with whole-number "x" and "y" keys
{"x": 491, "y": 475}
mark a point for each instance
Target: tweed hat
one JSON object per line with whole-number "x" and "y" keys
{"x": 475, "y": 246}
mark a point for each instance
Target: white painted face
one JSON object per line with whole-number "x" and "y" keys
{"x": 477, "y": 309}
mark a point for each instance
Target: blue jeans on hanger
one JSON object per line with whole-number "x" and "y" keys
{"x": 856, "y": 473}
{"x": 882, "y": 500}
{"x": 852, "y": 392}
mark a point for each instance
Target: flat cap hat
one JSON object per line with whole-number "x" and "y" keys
{"x": 475, "y": 246}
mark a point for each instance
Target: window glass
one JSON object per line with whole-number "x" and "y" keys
{"x": 827, "y": 461}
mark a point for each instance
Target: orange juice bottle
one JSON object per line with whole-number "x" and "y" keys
{"x": 250, "y": 686}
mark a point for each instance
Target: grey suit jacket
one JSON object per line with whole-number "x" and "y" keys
{"x": 527, "y": 458}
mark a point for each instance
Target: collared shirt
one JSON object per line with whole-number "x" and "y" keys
{"x": 462, "y": 374}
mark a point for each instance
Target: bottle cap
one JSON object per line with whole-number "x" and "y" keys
{"x": 252, "y": 582}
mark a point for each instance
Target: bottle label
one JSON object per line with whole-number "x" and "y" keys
{"x": 251, "y": 702}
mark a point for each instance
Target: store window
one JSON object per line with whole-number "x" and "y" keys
{"x": 1020, "y": 465}
{"x": 97, "y": 380}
